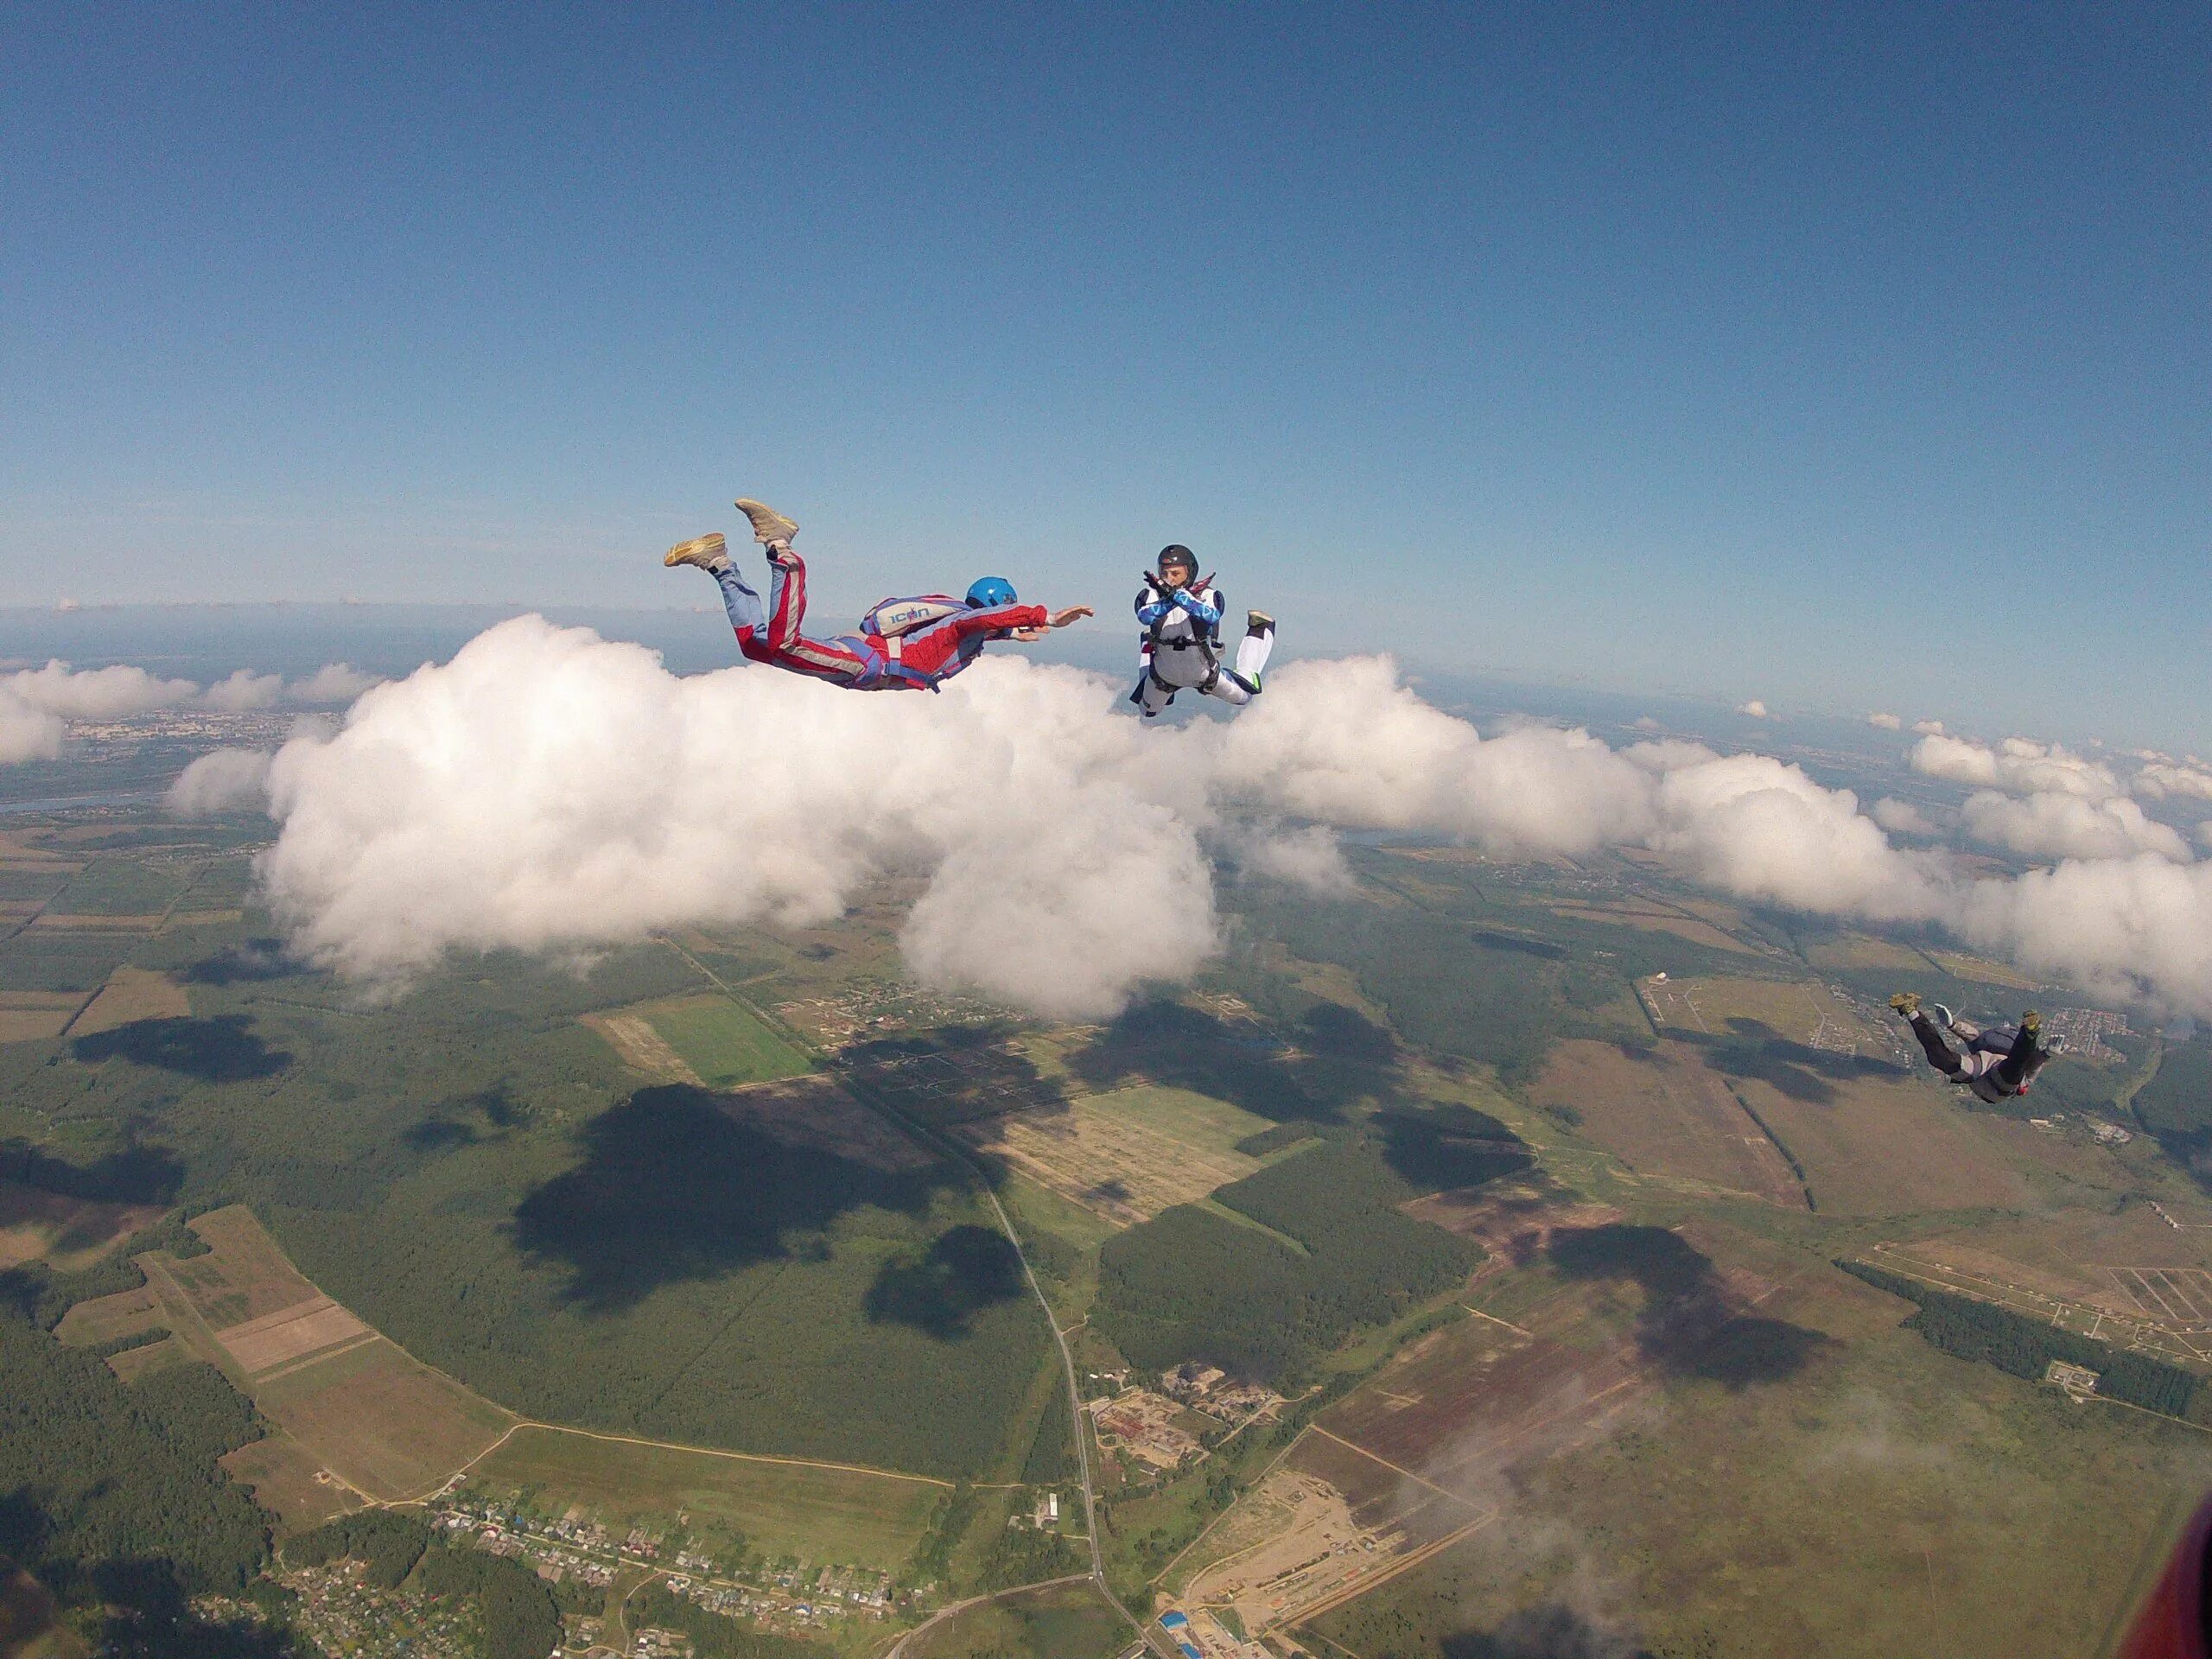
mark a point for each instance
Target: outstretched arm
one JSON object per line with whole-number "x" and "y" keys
{"x": 998, "y": 618}
{"x": 1056, "y": 619}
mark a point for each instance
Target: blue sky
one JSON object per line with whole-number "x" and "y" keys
{"x": 1861, "y": 357}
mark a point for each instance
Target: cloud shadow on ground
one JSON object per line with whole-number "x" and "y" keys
{"x": 1691, "y": 1325}
{"x": 940, "y": 1290}
{"x": 1553, "y": 1631}
{"x": 671, "y": 1188}
{"x": 1314, "y": 1073}
{"x": 219, "y": 1048}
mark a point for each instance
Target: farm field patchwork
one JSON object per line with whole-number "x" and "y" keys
{"x": 704, "y": 1039}
{"x": 375, "y": 1418}
{"x": 1980, "y": 969}
{"x": 1425, "y": 1452}
{"x": 1861, "y": 953}
{"x": 1886, "y": 1499}
{"x": 1650, "y": 917}
{"x": 1126, "y": 1154}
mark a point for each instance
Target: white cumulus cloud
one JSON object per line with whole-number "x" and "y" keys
{"x": 548, "y": 788}
{"x": 1885, "y": 722}
{"x": 2017, "y": 765}
{"x": 2068, "y": 826}
{"x": 2164, "y": 780}
{"x": 1755, "y": 708}
{"x": 222, "y": 780}
{"x": 95, "y": 693}
{"x": 1929, "y": 728}
{"x": 243, "y": 691}
{"x": 26, "y": 733}
{"x": 1901, "y": 817}
{"x": 550, "y": 791}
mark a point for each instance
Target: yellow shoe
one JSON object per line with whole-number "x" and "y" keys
{"x": 705, "y": 551}
{"x": 1906, "y": 1003}
{"x": 769, "y": 526}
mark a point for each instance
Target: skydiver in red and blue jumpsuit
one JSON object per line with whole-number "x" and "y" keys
{"x": 920, "y": 660}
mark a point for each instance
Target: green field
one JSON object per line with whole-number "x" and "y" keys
{"x": 1194, "y": 1119}
{"x": 115, "y": 885}
{"x": 726, "y": 1043}
{"x": 820, "y": 1515}
{"x": 1065, "y": 1622}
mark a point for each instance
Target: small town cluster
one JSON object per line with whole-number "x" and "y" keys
{"x": 789, "y": 1598}
{"x": 343, "y": 1616}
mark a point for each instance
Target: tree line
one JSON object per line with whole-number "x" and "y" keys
{"x": 2025, "y": 1347}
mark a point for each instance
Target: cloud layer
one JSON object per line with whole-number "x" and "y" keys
{"x": 549, "y": 791}
{"x": 37, "y": 704}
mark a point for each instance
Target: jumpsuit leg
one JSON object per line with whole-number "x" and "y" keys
{"x": 774, "y": 637}
{"x": 786, "y": 601}
{"x": 2013, "y": 1072}
{"x": 1242, "y": 683}
{"x": 745, "y": 617}
{"x": 1150, "y": 697}
{"x": 1939, "y": 1053}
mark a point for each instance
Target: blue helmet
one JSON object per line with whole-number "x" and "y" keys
{"x": 988, "y": 591}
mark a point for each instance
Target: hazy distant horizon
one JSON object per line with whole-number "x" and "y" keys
{"x": 211, "y": 638}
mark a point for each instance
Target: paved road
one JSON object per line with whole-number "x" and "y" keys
{"x": 1081, "y": 1442}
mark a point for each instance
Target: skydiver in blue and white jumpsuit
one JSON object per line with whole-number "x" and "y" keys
{"x": 1181, "y": 614}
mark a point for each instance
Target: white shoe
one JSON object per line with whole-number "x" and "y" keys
{"x": 769, "y": 526}
{"x": 707, "y": 552}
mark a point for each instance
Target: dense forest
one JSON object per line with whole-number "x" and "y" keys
{"x": 1193, "y": 1283}
{"x": 520, "y": 1618}
{"x": 386, "y": 1542}
{"x": 108, "y": 1491}
{"x": 2024, "y": 1346}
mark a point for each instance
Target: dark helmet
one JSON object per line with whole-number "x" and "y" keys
{"x": 988, "y": 591}
{"x": 1176, "y": 553}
